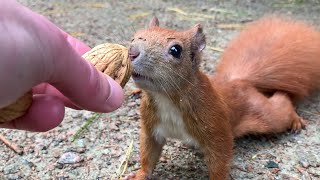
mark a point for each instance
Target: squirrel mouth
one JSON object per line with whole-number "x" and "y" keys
{"x": 138, "y": 76}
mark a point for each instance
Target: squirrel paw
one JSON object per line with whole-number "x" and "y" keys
{"x": 298, "y": 124}
{"x": 129, "y": 176}
{"x": 138, "y": 176}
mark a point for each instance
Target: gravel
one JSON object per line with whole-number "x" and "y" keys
{"x": 97, "y": 153}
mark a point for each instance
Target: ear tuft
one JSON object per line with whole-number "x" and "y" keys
{"x": 154, "y": 22}
{"x": 199, "y": 38}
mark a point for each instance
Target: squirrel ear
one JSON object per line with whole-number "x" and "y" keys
{"x": 154, "y": 22}
{"x": 199, "y": 39}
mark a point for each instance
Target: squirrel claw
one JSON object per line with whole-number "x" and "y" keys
{"x": 137, "y": 176}
{"x": 297, "y": 125}
{"x": 129, "y": 176}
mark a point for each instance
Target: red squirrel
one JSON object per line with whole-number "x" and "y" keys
{"x": 273, "y": 63}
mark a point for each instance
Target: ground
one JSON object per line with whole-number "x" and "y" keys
{"x": 97, "y": 153}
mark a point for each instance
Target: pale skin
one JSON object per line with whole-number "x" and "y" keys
{"x": 37, "y": 55}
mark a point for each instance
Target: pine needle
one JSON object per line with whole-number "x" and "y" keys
{"x": 98, "y": 5}
{"x": 139, "y": 15}
{"x": 124, "y": 163}
{"x": 230, "y": 26}
{"x": 86, "y": 125}
{"x": 190, "y": 15}
{"x": 204, "y": 16}
{"x": 177, "y": 10}
{"x": 215, "y": 48}
{"x": 77, "y": 34}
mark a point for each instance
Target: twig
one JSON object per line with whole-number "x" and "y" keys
{"x": 11, "y": 145}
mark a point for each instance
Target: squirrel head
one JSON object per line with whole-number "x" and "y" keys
{"x": 166, "y": 60}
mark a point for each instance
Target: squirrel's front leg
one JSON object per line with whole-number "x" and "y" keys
{"x": 150, "y": 151}
{"x": 218, "y": 162}
{"x": 217, "y": 146}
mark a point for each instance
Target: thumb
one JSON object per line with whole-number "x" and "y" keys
{"x": 79, "y": 80}
{"x": 75, "y": 77}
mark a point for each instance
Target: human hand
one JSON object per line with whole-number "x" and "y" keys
{"x": 37, "y": 55}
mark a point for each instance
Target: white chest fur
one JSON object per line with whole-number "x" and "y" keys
{"x": 171, "y": 123}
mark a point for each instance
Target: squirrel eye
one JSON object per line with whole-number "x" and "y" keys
{"x": 175, "y": 51}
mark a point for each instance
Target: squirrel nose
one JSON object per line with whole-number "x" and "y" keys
{"x": 133, "y": 53}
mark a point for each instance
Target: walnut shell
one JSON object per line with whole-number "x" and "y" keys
{"x": 111, "y": 59}
{"x": 17, "y": 109}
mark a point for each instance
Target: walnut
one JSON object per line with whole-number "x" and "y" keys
{"x": 17, "y": 109}
{"x": 111, "y": 59}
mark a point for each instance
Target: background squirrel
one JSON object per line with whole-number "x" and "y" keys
{"x": 263, "y": 72}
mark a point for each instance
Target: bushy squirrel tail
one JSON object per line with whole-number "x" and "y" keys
{"x": 275, "y": 54}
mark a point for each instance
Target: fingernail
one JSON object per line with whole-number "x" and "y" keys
{"x": 116, "y": 97}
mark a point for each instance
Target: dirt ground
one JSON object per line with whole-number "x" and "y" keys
{"x": 97, "y": 153}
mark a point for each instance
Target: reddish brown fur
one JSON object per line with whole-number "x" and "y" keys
{"x": 270, "y": 64}
{"x": 270, "y": 55}
{"x": 209, "y": 127}
{"x": 275, "y": 54}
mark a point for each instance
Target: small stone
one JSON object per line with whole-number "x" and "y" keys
{"x": 87, "y": 115}
{"x": 89, "y": 157}
{"x": 76, "y": 114}
{"x": 138, "y": 101}
{"x": 69, "y": 158}
{"x": 80, "y": 150}
{"x": 56, "y": 153}
{"x": 163, "y": 160}
{"x": 272, "y": 164}
{"x": 314, "y": 171}
{"x": 275, "y": 170}
{"x": 119, "y": 137}
{"x": 288, "y": 177}
{"x": 13, "y": 176}
{"x": 131, "y": 113}
{"x": 112, "y": 126}
{"x": 41, "y": 146}
{"x": 131, "y": 104}
{"x": 28, "y": 163}
{"x": 81, "y": 143}
{"x": 11, "y": 169}
{"x": 50, "y": 167}
{"x": 307, "y": 159}
{"x": 138, "y": 112}
{"x": 59, "y": 166}
{"x": 250, "y": 168}
{"x": 304, "y": 163}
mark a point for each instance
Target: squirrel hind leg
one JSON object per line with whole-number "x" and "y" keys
{"x": 267, "y": 115}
